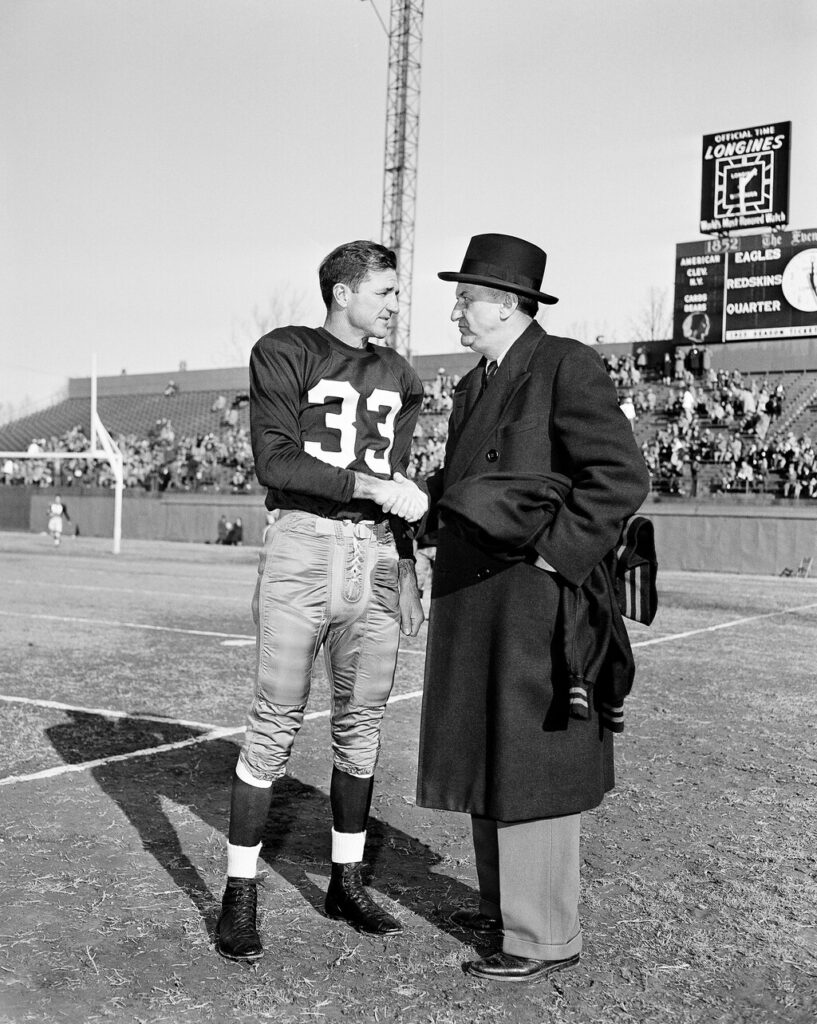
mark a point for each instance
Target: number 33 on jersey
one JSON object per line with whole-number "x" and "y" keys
{"x": 353, "y": 430}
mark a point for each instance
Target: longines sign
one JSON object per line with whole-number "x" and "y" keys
{"x": 745, "y": 178}
{"x": 746, "y": 287}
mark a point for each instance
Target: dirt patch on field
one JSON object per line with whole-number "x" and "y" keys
{"x": 698, "y": 876}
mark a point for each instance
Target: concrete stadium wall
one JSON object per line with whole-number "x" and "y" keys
{"x": 715, "y": 537}
{"x": 175, "y": 516}
{"x": 697, "y": 536}
{"x": 15, "y": 508}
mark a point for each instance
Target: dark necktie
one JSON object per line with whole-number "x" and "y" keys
{"x": 488, "y": 373}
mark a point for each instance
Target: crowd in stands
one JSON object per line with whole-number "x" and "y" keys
{"x": 726, "y": 421}
{"x": 220, "y": 460}
{"x": 717, "y": 419}
{"x": 437, "y": 394}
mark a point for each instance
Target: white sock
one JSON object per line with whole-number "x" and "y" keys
{"x": 347, "y": 847}
{"x": 242, "y": 861}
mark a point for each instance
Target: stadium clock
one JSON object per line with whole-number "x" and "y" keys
{"x": 800, "y": 281}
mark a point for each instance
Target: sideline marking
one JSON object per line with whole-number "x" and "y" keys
{"x": 227, "y": 731}
{"x": 128, "y": 625}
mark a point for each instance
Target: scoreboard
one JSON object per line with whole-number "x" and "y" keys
{"x": 746, "y": 288}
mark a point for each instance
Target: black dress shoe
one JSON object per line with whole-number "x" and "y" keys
{"x": 507, "y": 967}
{"x": 236, "y": 934}
{"x": 477, "y": 922}
{"x": 347, "y": 900}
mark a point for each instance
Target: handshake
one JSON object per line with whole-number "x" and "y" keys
{"x": 398, "y": 496}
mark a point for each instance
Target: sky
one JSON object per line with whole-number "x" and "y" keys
{"x": 170, "y": 170}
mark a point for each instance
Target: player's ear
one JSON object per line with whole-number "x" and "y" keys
{"x": 340, "y": 293}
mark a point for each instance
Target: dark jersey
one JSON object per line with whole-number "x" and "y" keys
{"x": 321, "y": 410}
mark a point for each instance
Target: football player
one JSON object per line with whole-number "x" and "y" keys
{"x": 57, "y": 511}
{"x": 332, "y": 417}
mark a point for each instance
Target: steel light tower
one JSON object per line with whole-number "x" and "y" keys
{"x": 400, "y": 164}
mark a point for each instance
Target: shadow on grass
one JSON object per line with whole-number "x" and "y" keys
{"x": 296, "y": 841}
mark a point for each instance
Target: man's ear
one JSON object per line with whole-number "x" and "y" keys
{"x": 508, "y": 305}
{"x": 340, "y": 293}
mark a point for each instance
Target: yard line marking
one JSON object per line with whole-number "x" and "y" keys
{"x": 250, "y": 642}
{"x": 105, "y": 712}
{"x": 219, "y": 733}
{"x": 129, "y": 590}
{"x": 724, "y": 625}
{"x": 100, "y": 762}
{"x": 213, "y": 733}
{"x": 128, "y": 625}
{"x": 405, "y": 696}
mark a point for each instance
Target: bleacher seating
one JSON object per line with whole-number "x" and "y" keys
{"x": 189, "y": 412}
{"x": 209, "y": 427}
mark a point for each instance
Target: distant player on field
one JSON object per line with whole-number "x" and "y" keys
{"x": 332, "y": 418}
{"x": 57, "y": 511}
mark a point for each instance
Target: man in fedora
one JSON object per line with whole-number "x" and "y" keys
{"x": 523, "y": 684}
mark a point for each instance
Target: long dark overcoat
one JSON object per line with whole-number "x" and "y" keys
{"x": 496, "y": 736}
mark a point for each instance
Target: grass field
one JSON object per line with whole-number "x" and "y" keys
{"x": 124, "y": 685}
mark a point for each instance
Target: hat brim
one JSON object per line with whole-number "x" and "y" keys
{"x": 495, "y": 282}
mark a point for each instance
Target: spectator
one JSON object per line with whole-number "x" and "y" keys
{"x": 235, "y": 535}
{"x": 628, "y": 408}
{"x": 222, "y": 530}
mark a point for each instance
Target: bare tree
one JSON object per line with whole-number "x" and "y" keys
{"x": 284, "y": 306}
{"x": 597, "y": 333}
{"x": 654, "y": 322}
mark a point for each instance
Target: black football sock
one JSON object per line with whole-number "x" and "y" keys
{"x": 249, "y": 809}
{"x": 351, "y": 798}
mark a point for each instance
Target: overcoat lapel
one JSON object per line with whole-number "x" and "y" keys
{"x": 482, "y": 417}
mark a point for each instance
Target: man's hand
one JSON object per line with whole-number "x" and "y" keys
{"x": 398, "y": 496}
{"x": 412, "y": 615}
{"x": 411, "y": 498}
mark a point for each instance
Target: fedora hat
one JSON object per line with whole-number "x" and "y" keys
{"x": 504, "y": 262}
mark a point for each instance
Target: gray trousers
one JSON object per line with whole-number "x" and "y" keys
{"x": 528, "y": 874}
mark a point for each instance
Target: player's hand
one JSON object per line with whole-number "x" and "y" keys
{"x": 401, "y": 497}
{"x": 412, "y": 615}
{"x": 415, "y": 499}
{"x": 398, "y": 497}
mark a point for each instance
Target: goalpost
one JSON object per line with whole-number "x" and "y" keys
{"x": 103, "y": 448}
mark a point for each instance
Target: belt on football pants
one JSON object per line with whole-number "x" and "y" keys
{"x": 326, "y": 524}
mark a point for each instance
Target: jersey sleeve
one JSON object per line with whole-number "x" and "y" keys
{"x": 278, "y": 371}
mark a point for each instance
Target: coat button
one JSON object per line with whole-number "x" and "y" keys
{"x": 492, "y": 455}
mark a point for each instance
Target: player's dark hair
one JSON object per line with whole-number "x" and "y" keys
{"x": 350, "y": 263}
